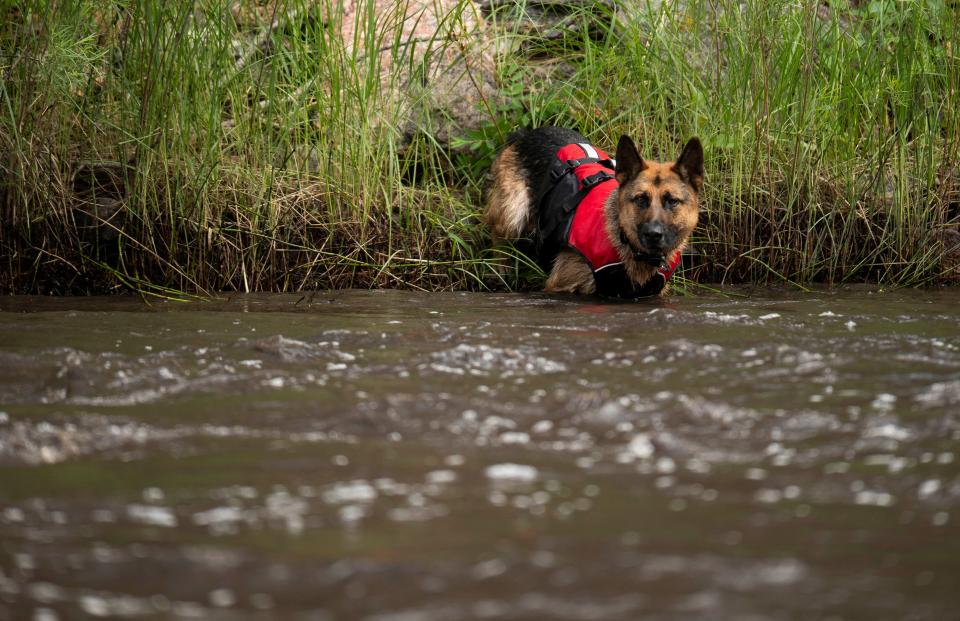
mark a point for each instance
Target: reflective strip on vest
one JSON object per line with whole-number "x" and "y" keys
{"x": 588, "y": 150}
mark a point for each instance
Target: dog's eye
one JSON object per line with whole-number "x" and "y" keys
{"x": 669, "y": 201}
{"x": 641, "y": 200}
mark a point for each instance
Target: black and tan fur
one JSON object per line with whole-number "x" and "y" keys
{"x": 656, "y": 205}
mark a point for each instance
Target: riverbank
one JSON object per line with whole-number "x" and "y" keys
{"x": 171, "y": 147}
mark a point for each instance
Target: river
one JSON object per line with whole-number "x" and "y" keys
{"x": 401, "y": 456}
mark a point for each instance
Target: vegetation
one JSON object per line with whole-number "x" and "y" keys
{"x": 205, "y": 145}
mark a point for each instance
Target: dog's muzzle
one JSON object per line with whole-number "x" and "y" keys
{"x": 656, "y": 237}
{"x": 644, "y": 255}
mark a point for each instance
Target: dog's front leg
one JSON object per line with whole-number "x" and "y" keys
{"x": 570, "y": 274}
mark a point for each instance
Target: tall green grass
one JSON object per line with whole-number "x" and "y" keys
{"x": 199, "y": 146}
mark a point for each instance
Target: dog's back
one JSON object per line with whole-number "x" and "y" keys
{"x": 519, "y": 178}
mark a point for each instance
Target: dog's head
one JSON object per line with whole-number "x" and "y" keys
{"x": 657, "y": 205}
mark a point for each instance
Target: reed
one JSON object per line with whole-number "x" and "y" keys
{"x": 198, "y": 146}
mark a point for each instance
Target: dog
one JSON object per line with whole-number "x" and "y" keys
{"x": 597, "y": 226}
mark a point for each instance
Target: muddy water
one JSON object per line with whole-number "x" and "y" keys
{"x": 392, "y": 456}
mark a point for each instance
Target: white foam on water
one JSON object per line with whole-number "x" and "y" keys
{"x": 873, "y": 498}
{"x": 641, "y": 447}
{"x": 542, "y": 426}
{"x": 515, "y": 437}
{"x": 768, "y": 496}
{"x": 417, "y": 514}
{"x": 152, "y": 515}
{"x": 512, "y": 472}
{"x": 222, "y": 598}
{"x": 940, "y": 394}
{"x": 889, "y": 431}
{"x": 441, "y": 477}
{"x": 479, "y": 360}
{"x": 350, "y": 491}
{"x": 928, "y": 488}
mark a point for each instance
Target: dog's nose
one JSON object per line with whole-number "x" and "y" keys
{"x": 652, "y": 234}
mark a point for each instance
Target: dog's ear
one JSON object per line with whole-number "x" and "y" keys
{"x": 690, "y": 164}
{"x": 629, "y": 162}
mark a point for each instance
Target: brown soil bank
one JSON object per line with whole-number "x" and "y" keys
{"x": 300, "y": 144}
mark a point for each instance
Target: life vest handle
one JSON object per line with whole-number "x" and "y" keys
{"x": 595, "y": 179}
{"x": 570, "y": 165}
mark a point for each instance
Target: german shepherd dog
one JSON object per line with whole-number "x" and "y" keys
{"x": 598, "y": 226}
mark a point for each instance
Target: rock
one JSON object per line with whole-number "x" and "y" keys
{"x": 554, "y": 19}
{"x": 950, "y": 238}
{"x": 949, "y": 235}
{"x": 98, "y": 190}
{"x": 447, "y": 81}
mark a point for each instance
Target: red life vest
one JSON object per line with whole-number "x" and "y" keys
{"x": 572, "y": 216}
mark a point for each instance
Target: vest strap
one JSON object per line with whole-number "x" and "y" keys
{"x": 569, "y": 166}
{"x": 595, "y": 179}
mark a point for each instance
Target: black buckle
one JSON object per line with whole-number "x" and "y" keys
{"x": 596, "y": 178}
{"x": 567, "y": 167}
{"x": 570, "y": 165}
